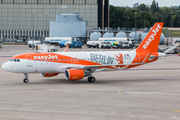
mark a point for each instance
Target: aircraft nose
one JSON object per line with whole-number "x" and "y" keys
{"x": 4, "y": 66}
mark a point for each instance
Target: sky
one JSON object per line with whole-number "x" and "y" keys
{"x": 130, "y": 3}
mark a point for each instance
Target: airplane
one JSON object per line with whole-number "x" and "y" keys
{"x": 77, "y": 65}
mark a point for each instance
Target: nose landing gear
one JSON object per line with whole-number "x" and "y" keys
{"x": 26, "y": 78}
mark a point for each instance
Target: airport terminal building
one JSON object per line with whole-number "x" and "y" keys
{"x": 32, "y": 17}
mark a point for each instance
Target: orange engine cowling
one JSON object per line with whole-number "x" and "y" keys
{"x": 49, "y": 74}
{"x": 74, "y": 74}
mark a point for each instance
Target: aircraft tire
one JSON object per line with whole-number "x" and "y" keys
{"x": 91, "y": 79}
{"x": 25, "y": 80}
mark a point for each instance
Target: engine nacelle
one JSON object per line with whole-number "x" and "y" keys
{"x": 74, "y": 74}
{"x": 49, "y": 74}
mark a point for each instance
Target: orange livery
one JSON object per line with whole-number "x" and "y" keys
{"x": 77, "y": 65}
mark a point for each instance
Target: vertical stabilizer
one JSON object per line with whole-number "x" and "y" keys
{"x": 151, "y": 41}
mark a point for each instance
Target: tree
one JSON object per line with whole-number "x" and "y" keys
{"x": 154, "y": 7}
{"x": 176, "y": 21}
{"x": 146, "y": 16}
{"x": 164, "y": 10}
{"x": 146, "y": 19}
{"x": 112, "y": 16}
{"x": 123, "y": 19}
{"x": 119, "y": 17}
{"x": 143, "y": 7}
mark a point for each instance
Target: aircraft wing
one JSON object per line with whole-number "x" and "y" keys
{"x": 151, "y": 68}
{"x": 101, "y": 66}
{"x": 62, "y": 68}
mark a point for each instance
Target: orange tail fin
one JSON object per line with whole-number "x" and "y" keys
{"x": 151, "y": 41}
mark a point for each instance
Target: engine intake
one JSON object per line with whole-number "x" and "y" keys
{"x": 49, "y": 74}
{"x": 74, "y": 74}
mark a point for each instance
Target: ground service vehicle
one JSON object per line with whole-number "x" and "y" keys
{"x": 45, "y": 48}
{"x": 116, "y": 45}
{"x": 77, "y": 65}
{"x": 124, "y": 45}
{"x": 94, "y": 44}
{"x": 75, "y": 44}
{"x": 32, "y": 43}
{"x": 64, "y": 43}
{"x": 115, "y": 40}
{"x": 174, "y": 48}
{"x": 177, "y": 41}
{"x": 104, "y": 44}
{"x": 56, "y": 40}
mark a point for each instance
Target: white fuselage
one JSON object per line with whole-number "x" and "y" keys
{"x": 39, "y": 63}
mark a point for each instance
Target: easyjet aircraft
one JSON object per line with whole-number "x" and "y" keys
{"x": 77, "y": 65}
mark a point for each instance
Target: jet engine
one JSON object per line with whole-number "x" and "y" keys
{"x": 49, "y": 74}
{"x": 74, "y": 74}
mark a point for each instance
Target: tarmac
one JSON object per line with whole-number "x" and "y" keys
{"x": 137, "y": 94}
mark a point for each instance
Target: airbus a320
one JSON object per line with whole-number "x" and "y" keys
{"x": 77, "y": 65}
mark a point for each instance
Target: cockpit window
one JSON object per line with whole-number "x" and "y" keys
{"x": 14, "y": 60}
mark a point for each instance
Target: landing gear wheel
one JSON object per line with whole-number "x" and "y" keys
{"x": 25, "y": 80}
{"x": 91, "y": 79}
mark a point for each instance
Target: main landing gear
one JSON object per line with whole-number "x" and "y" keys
{"x": 26, "y": 78}
{"x": 91, "y": 79}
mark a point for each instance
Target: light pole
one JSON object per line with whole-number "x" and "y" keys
{"x": 33, "y": 12}
{"x": 45, "y": 24}
{"x": 171, "y": 26}
{"x": 135, "y": 24}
